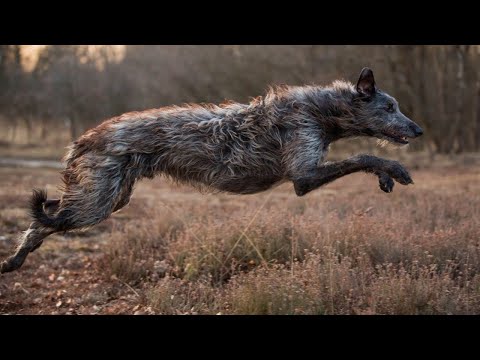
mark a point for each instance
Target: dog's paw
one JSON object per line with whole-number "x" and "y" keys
{"x": 11, "y": 264}
{"x": 386, "y": 183}
{"x": 4, "y": 267}
{"x": 400, "y": 174}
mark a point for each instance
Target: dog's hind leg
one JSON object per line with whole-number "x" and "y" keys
{"x": 103, "y": 185}
{"x": 90, "y": 197}
{"x": 29, "y": 241}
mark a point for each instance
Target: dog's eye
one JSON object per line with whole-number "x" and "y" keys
{"x": 390, "y": 108}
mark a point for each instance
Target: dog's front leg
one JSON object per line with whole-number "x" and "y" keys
{"x": 328, "y": 172}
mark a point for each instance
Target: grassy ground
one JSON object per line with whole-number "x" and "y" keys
{"x": 347, "y": 248}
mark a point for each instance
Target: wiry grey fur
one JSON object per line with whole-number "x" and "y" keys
{"x": 236, "y": 148}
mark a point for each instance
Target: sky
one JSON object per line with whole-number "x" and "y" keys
{"x": 30, "y": 53}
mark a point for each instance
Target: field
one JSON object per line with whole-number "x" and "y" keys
{"x": 347, "y": 248}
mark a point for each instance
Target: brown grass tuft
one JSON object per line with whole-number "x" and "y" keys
{"x": 347, "y": 248}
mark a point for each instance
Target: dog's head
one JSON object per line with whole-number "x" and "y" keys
{"x": 378, "y": 114}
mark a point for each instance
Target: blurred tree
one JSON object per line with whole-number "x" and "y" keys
{"x": 79, "y": 86}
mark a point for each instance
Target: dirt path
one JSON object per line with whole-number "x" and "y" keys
{"x": 30, "y": 163}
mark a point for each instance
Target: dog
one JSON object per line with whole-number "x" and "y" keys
{"x": 233, "y": 147}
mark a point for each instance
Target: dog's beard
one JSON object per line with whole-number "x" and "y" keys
{"x": 384, "y": 143}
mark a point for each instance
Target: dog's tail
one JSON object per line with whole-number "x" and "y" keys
{"x": 37, "y": 212}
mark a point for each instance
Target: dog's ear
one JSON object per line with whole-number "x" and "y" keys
{"x": 366, "y": 82}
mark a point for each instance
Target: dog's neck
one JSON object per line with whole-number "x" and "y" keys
{"x": 331, "y": 109}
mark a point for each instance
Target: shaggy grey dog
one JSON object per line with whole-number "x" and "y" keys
{"x": 236, "y": 148}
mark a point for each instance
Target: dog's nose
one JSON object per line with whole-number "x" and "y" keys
{"x": 418, "y": 131}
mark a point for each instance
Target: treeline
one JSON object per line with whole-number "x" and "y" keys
{"x": 72, "y": 88}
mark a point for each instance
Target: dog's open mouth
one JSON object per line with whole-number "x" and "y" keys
{"x": 394, "y": 138}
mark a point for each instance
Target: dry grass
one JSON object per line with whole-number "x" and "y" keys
{"x": 345, "y": 249}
